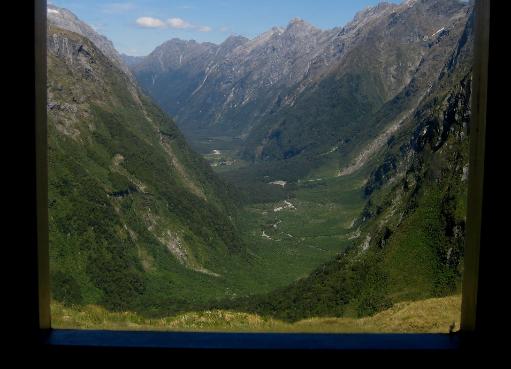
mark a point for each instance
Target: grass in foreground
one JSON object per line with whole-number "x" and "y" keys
{"x": 426, "y": 316}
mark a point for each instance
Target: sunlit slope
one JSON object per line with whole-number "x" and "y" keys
{"x": 135, "y": 216}
{"x": 298, "y": 91}
{"x": 439, "y": 315}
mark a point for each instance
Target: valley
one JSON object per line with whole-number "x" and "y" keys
{"x": 289, "y": 226}
{"x": 290, "y": 237}
{"x": 302, "y": 180}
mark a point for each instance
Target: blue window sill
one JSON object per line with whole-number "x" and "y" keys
{"x": 250, "y": 341}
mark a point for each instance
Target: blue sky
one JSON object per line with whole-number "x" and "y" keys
{"x": 137, "y": 26}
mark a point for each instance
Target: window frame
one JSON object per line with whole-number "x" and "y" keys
{"x": 39, "y": 248}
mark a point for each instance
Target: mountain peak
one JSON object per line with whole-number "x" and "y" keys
{"x": 296, "y": 20}
{"x": 235, "y": 39}
{"x": 298, "y": 24}
{"x": 371, "y": 11}
{"x": 277, "y": 29}
{"x": 67, "y": 20}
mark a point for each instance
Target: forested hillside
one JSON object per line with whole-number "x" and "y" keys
{"x": 410, "y": 235}
{"x": 130, "y": 205}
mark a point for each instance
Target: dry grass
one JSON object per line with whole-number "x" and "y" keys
{"x": 427, "y": 316}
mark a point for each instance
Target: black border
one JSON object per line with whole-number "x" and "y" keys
{"x": 50, "y": 341}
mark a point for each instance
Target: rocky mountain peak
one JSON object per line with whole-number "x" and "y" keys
{"x": 278, "y": 30}
{"x": 223, "y": 86}
{"x": 296, "y": 21}
{"x": 373, "y": 11}
{"x": 235, "y": 38}
{"x": 233, "y": 41}
{"x": 64, "y": 19}
{"x": 271, "y": 32}
{"x": 300, "y": 25}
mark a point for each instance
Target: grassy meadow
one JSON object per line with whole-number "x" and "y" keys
{"x": 437, "y": 315}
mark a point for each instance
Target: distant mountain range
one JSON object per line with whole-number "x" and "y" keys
{"x": 302, "y": 91}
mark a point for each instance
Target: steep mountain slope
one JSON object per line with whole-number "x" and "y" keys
{"x": 300, "y": 91}
{"x": 135, "y": 216}
{"x": 408, "y": 241}
{"x": 177, "y": 70}
{"x": 383, "y": 73}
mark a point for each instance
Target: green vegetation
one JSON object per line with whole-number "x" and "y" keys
{"x": 114, "y": 192}
{"x": 144, "y": 233}
{"x": 440, "y": 315}
{"x": 307, "y": 127}
{"x": 132, "y": 209}
{"x": 411, "y": 231}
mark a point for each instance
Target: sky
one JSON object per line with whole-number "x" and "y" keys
{"x": 137, "y": 27}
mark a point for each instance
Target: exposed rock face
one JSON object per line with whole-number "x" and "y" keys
{"x": 64, "y": 19}
{"x": 257, "y": 89}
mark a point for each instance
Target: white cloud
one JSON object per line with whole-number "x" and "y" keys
{"x": 53, "y": 11}
{"x": 224, "y": 29}
{"x": 149, "y": 22}
{"x": 205, "y": 29}
{"x": 173, "y": 23}
{"x": 178, "y": 23}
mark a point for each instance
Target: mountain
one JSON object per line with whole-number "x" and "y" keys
{"x": 298, "y": 91}
{"x": 63, "y": 18}
{"x": 408, "y": 242}
{"x": 130, "y": 60}
{"x": 349, "y": 148}
{"x": 135, "y": 216}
